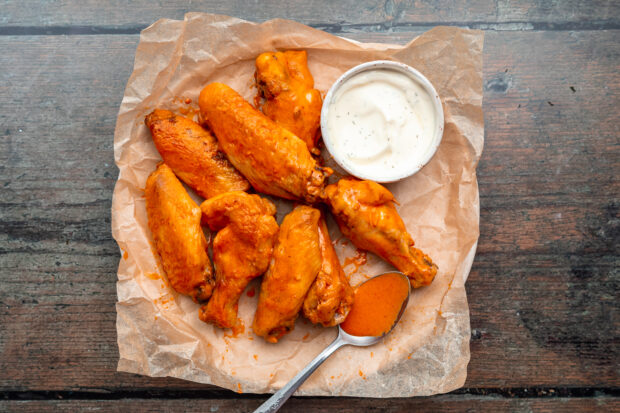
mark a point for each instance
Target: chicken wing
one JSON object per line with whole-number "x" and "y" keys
{"x": 241, "y": 250}
{"x": 274, "y": 160}
{"x": 295, "y": 264}
{"x": 285, "y": 82}
{"x": 330, "y": 297}
{"x": 193, "y": 154}
{"x": 174, "y": 220}
{"x": 366, "y": 214}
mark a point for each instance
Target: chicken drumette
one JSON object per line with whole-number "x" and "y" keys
{"x": 365, "y": 213}
{"x": 174, "y": 220}
{"x": 330, "y": 297}
{"x": 242, "y": 249}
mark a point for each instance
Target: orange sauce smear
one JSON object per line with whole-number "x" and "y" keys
{"x": 152, "y": 275}
{"x": 238, "y": 328}
{"x": 190, "y": 112}
{"x": 376, "y": 305}
{"x": 183, "y": 105}
{"x": 359, "y": 259}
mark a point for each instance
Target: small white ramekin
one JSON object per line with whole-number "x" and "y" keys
{"x": 413, "y": 74}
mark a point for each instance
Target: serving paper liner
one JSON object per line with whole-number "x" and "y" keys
{"x": 159, "y": 333}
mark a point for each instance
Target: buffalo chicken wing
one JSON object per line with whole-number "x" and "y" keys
{"x": 174, "y": 220}
{"x": 285, "y": 82}
{"x": 365, "y": 213}
{"x": 193, "y": 154}
{"x": 274, "y": 160}
{"x": 330, "y": 297}
{"x": 295, "y": 264}
{"x": 242, "y": 249}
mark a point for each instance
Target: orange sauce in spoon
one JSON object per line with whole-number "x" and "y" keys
{"x": 376, "y": 305}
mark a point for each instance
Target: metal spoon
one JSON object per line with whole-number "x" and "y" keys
{"x": 276, "y": 401}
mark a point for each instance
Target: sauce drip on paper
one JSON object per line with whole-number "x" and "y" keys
{"x": 358, "y": 260}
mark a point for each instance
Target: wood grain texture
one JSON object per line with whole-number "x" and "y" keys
{"x": 542, "y": 288}
{"x": 93, "y": 16}
{"x": 447, "y": 404}
{"x": 546, "y": 273}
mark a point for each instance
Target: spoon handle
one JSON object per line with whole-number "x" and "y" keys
{"x": 276, "y": 401}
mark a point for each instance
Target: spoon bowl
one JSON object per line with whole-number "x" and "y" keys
{"x": 276, "y": 401}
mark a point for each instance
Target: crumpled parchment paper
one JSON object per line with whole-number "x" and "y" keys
{"x": 159, "y": 333}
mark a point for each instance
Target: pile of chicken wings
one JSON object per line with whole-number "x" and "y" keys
{"x": 272, "y": 149}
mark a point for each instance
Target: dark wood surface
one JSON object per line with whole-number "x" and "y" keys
{"x": 544, "y": 285}
{"x": 449, "y": 404}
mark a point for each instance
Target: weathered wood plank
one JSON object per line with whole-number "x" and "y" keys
{"x": 445, "y": 404}
{"x": 541, "y": 291}
{"x": 345, "y": 16}
{"x": 549, "y": 247}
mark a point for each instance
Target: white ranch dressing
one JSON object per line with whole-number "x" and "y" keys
{"x": 381, "y": 122}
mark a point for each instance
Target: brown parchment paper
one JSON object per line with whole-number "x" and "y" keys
{"x": 159, "y": 333}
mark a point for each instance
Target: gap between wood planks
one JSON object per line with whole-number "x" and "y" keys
{"x": 329, "y": 27}
{"x": 102, "y": 394}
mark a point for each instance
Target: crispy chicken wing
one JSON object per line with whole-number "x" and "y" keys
{"x": 295, "y": 264}
{"x": 284, "y": 80}
{"x": 193, "y": 154}
{"x": 366, "y": 214}
{"x": 274, "y": 160}
{"x": 330, "y": 297}
{"x": 174, "y": 220}
{"x": 241, "y": 250}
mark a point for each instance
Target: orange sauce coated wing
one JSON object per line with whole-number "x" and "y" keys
{"x": 376, "y": 305}
{"x": 242, "y": 249}
{"x": 274, "y": 160}
{"x": 193, "y": 154}
{"x": 330, "y": 297}
{"x": 285, "y": 82}
{"x": 294, "y": 266}
{"x": 365, "y": 213}
{"x": 174, "y": 220}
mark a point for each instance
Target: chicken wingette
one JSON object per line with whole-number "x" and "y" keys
{"x": 330, "y": 297}
{"x": 285, "y": 82}
{"x": 365, "y": 213}
{"x": 294, "y": 265}
{"x": 193, "y": 154}
{"x": 274, "y": 160}
{"x": 174, "y": 220}
{"x": 242, "y": 249}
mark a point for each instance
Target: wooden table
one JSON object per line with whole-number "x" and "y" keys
{"x": 543, "y": 289}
